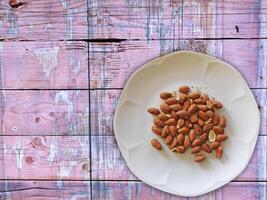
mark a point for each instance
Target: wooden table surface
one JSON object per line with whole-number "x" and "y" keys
{"x": 63, "y": 64}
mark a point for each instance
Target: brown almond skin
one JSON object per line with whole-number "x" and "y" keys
{"x": 197, "y": 129}
{"x": 180, "y": 123}
{"x": 215, "y": 119}
{"x": 156, "y": 130}
{"x": 180, "y": 139}
{"x": 173, "y": 115}
{"x": 187, "y": 142}
{"x": 168, "y": 139}
{"x": 202, "y": 115}
{"x": 173, "y": 144}
{"x": 183, "y": 97}
{"x": 192, "y": 109}
{"x": 171, "y": 101}
{"x": 155, "y": 143}
{"x": 183, "y": 114}
{"x": 210, "y": 104}
{"x": 165, "y": 131}
{"x": 173, "y": 130}
{"x": 196, "y": 149}
{"x": 223, "y": 121}
{"x": 218, "y": 130}
{"x": 176, "y": 107}
{"x": 184, "y": 89}
{"x": 165, "y": 95}
{"x": 221, "y": 138}
{"x": 214, "y": 145}
{"x": 188, "y": 124}
{"x": 199, "y": 158}
{"x": 205, "y": 97}
{"x": 202, "y": 107}
{"x": 207, "y": 127}
{"x": 204, "y": 137}
{"x": 194, "y": 95}
{"x": 158, "y": 123}
{"x": 206, "y": 148}
{"x": 171, "y": 122}
{"x": 163, "y": 117}
{"x": 183, "y": 130}
{"x": 209, "y": 113}
{"x": 196, "y": 142}
{"x": 153, "y": 111}
{"x": 217, "y": 104}
{"x": 180, "y": 149}
{"x": 200, "y": 122}
{"x": 219, "y": 152}
{"x": 193, "y": 118}
{"x": 199, "y": 101}
{"x": 192, "y": 135}
{"x": 165, "y": 108}
{"x": 186, "y": 105}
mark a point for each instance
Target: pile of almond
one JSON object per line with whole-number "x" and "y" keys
{"x": 189, "y": 119}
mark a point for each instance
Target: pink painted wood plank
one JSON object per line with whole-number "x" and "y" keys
{"x": 103, "y": 104}
{"x": 44, "y": 65}
{"x": 115, "y": 190}
{"x": 45, "y": 157}
{"x": 105, "y": 59}
{"x": 108, "y": 163}
{"x": 45, "y": 190}
{"x": 43, "y": 20}
{"x": 45, "y": 112}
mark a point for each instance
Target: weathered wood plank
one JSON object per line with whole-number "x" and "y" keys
{"x": 103, "y": 104}
{"x": 108, "y": 163}
{"x": 43, "y": 20}
{"x": 45, "y": 190}
{"x": 121, "y": 190}
{"x": 45, "y": 112}
{"x": 45, "y": 157}
{"x": 44, "y": 65}
{"x": 105, "y": 59}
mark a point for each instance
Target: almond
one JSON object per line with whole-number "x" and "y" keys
{"x": 155, "y": 143}
{"x": 171, "y": 101}
{"x": 156, "y": 130}
{"x": 205, "y": 97}
{"x": 168, "y": 139}
{"x": 158, "y": 123}
{"x": 206, "y": 148}
{"x": 197, "y": 129}
{"x": 173, "y": 115}
{"x": 153, "y": 111}
{"x": 165, "y": 95}
{"x": 221, "y": 138}
{"x": 165, "y": 131}
{"x": 210, "y": 104}
{"x": 217, "y": 104}
{"x": 208, "y": 121}
{"x": 199, "y": 101}
{"x": 223, "y": 122}
{"x": 173, "y": 144}
{"x": 207, "y": 127}
{"x": 196, "y": 142}
{"x": 203, "y": 137}
{"x": 180, "y": 139}
{"x": 170, "y": 122}
{"x": 196, "y": 149}
{"x": 180, "y": 149}
{"x": 187, "y": 142}
{"x": 218, "y": 130}
{"x": 194, "y": 95}
{"x": 183, "y": 130}
{"x": 219, "y": 152}
{"x": 202, "y": 107}
{"x": 173, "y": 130}
{"x": 192, "y": 135}
{"x": 214, "y": 145}
{"x": 199, "y": 158}
{"x": 163, "y": 117}
{"x": 192, "y": 109}
{"x": 202, "y": 115}
{"x": 183, "y": 97}
{"x": 183, "y": 114}
{"x": 184, "y": 89}
{"x": 186, "y": 105}
{"x": 215, "y": 119}
{"x": 176, "y": 107}
{"x": 200, "y": 122}
{"x": 193, "y": 118}
{"x": 165, "y": 108}
{"x": 188, "y": 124}
{"x": 209, "y": 113}
{"x": 212, "y": 136}
{"x": 180, "y": 123}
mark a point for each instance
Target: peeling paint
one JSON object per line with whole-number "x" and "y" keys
{"x": 78, "y": 196}
{"x": 19, "y": 154}
{"x": 53, "y": 150}
{"x": 63, "y": 96}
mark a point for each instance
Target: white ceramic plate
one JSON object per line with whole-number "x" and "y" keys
{"x": 175, "y": 173}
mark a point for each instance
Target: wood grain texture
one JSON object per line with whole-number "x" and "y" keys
{"x": 108, "y": 163}
{"x": 45, "y": 190}
{"x": 103, "y": 104}
{"x": 43, "y": 20}
{"x": 136, "y": 190}
{"x": 111, "y": 64}
{"x": 45, "y": 157}
{"x": 45, "y": 112}
{"x": 44, "y": 65}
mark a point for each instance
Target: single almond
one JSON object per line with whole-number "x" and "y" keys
{"x": 183, "y": 114}
{"x": 219, "y": 152}
{"x": 200, "y": 122}
{"x": 173, "y": 115}
{"x": 197, "y": 129}
{"x": 163, "y": 117}
{"x": 174, "y": 143}
{"x": 180, "y": 139}
{"x": 183, "y": 130}
{"x": 202, "y": 107}
{"x": 176, "y": 107}
{"x": 221, "y": 138}
{"x": 188, "y": 124}
{"x": 171, "y": 101}
{"x": 186, "y": 105}
{"x": 173, "y": 130}
{"x": 165, "y": 108}
{"x": 165, "y": 95}
{"x": 218, "y": 130}
{"x": 206, "y": 148}
{"x": 207, "y": 127}
{"x": 212, "y": 136}
{"x": 192, "y": 135}
{"x": 165, "y": 131}
{"x": 203, "y": 137}
{"x": 217, "y": 104}
{"x": 158, "y": 123}
{"x": 196, "y": 142}
{"x": 184, "y": 89}
{"x": 202, "y": 115}
{"x": 156, "y": 144}
{"x": 168, "y": 139}
{"x": 183, "y": 97}
{"x": 170, "y": 122}
{"x": 196, "y": 149}
{"x": 192, "y": 109}
{"x": 180, "y": 149}
{"x": 194, "y": 95}
{"x": 193, "y": 118}
{"x": 205, "y": 97}
{"x": 156, "y": 130}
{"x": 215, "y": 119}
{"x": 180, "y": 123}
{"x": 223, "y": 122}
{"x": 209, "y": 113}
{"x": 210, "y": 104}
{"x": 214, "y": 145}
{"x": 199, "y": 101}
{"x": 187, "y": 142}
{"x": 199, "y": 158}
{"x": 153, "y": 111}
